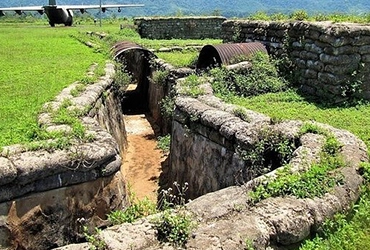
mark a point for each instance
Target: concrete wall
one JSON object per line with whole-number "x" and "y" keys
{"x": 207, "y": 139}
{"x": 332, "y": 61}
{"x": 47, "y": 195}
{"x": 179, "y": 27}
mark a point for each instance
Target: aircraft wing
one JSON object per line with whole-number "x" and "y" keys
{"x": 26, "y": 8}
{"x": 105, "y": 6}
{"x": 19, "y": 10}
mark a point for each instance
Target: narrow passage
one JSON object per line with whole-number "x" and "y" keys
{"x": 142, "y": 160}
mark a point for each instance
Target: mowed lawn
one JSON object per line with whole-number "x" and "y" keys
{"x": 36, "y": 63}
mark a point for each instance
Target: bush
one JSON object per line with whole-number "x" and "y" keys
{"x": 164, "y": 143}
{"x": 261, "y": 78}
{"x": 173, "y": 226}
{"x": 136, "y": 210}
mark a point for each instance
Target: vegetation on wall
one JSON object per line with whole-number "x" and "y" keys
{"x": 270, "y": 151}
{"x": 305, "y": 184}
{"x": 262, "y": 77}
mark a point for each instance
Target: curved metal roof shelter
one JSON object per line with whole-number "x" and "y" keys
{"x": 123, "y": 46}
{"x": 223, "y": 54}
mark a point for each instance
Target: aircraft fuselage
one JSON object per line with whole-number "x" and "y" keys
{"x": 59, "y": 15}
{"x": 63, "y": 14}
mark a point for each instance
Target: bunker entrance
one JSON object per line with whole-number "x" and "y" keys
{"x": 135, "y": 60}
{"x": 142, "y": 159}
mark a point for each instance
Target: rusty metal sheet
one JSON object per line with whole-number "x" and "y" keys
{"x": 222, "y": 54}
{"x": 121, "y": 47}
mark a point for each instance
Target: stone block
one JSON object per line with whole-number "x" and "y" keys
{"x": 315, "y": 65}
{"x": 313, "y": 47}
{"x": 310, "y": 74}
{"x": 328, "y": 78}
{"x": 8, "y": 171}
{"x": 347, "y": 50}
{"x": 335, "y": 41}
{"x": 340, "y": 59}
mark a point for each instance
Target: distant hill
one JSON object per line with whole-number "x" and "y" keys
{"x": 228, "y": 8}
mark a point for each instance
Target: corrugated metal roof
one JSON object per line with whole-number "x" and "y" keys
{"x": 123, "y": 46}
{"x": 223, "y": 54}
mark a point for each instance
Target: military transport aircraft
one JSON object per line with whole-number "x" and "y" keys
{"x": 63, "y": 14}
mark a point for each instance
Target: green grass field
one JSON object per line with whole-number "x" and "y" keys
{"x": 36, "y": 63}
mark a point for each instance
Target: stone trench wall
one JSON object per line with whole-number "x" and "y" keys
{"x": 46, "y": 196}
{"x": 204, "y": 153}
{"x": 179, "y": 27}
{"x": 157, "y": 91}
{"x": 328, "y": 56}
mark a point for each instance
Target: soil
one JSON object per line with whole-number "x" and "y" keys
{"x": 142, "y": 160}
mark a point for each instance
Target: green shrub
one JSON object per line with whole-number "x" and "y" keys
{"x": 271, "y": 150}
{"x": 160, "y": 76}
{"x": 241, "y": 113}
{"x": 299, "y": 15}
{"x": 309, "y": 127}
{"x": 138, "y": 209}
{"x": 167, "y": 106}
{"x": 261, "y": 78}
{"x": 173, "y": 226}
{"x": 259, "y": 15}
{"x": 93, "y": 239}
{"x": 164, "y": 143}
{"x": 121, "y": 79}
{"x": 191, "y": 86}
{"x": 314, "y": 182}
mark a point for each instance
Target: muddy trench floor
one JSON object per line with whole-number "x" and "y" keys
{"x": 142, "y": 159}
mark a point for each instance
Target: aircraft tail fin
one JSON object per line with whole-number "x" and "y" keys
{"x": 52, "y": 2}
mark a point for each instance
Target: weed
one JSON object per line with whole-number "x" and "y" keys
{"x": 93, "y": 239}
{"x": 138, "y": 209}
{"x": 164, "y": 143}
{"x": 190, "y": 86}
{"x": 261, "y": 78}
{"x": 173, "y": 197}
{"x": 241, "y": 113}
{"x": 236, "y": 33}
{"x": 49, "y": 145}
{"x": 345, "y": 231}
{"x": 78, "y": 89}
{"x": 331, "y": 145}
{"x": 121, "y": 79}
{"x": 304, "y": 185}
{"x": 167, "y": 106}
{"x": 271, "y": 150}
{"x": 309, "y": 127}
{"x": 173, "y": 226}
{"x": 87, "y": 80}
{"x": 160, "y": 77}
{"x": 365, "y": 171}
{"x": 299, "y": 15}
{"x": 351, "y": 89}
{"x": 248, "y": 244}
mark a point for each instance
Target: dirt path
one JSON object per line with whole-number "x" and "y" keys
{"x": 142, "y": 161}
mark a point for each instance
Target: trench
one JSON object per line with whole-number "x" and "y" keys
{"x": 142, "y": 159}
